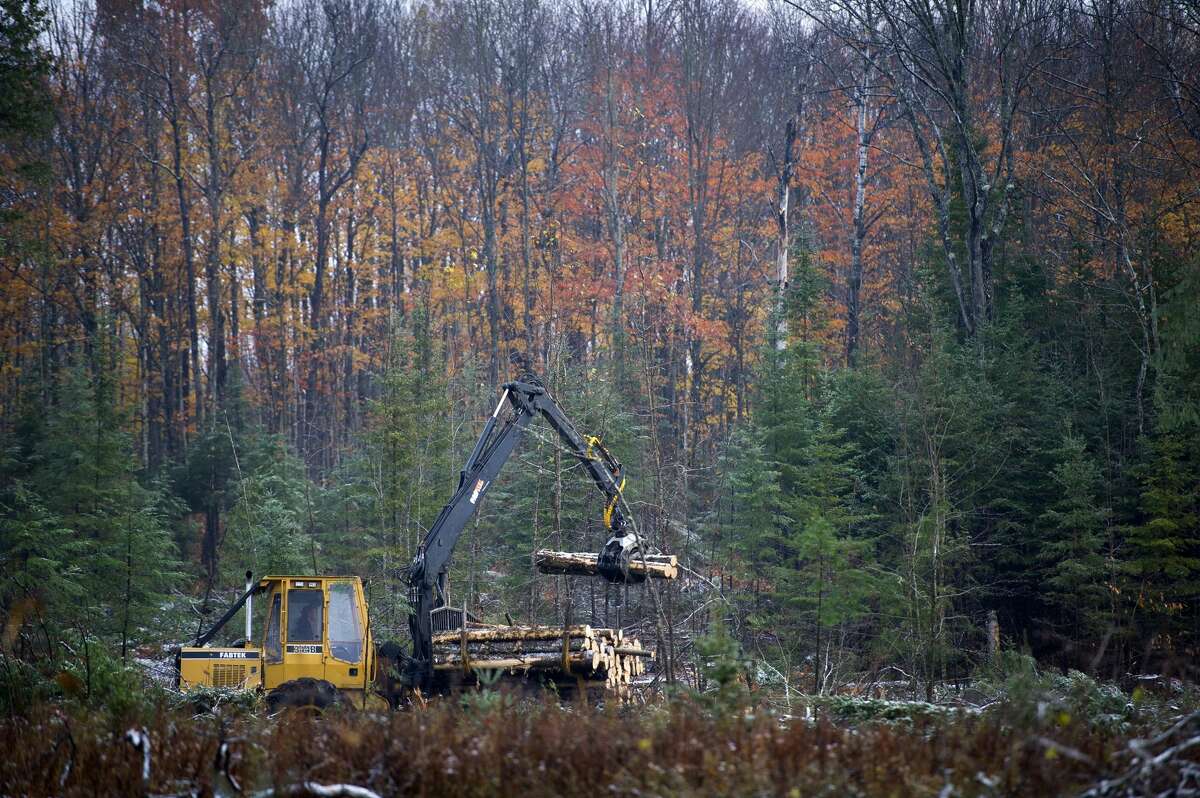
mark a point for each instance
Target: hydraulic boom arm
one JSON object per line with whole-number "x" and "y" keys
{"x": 427, "y": 574}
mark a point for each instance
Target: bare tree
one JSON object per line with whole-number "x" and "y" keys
{"x": 959, "y": 73}
{"x": 1170, "y": 29}
{"x": 792, "y": 66}
{"x": 607, "y": 40}
{"x": 469, "y": 76}
{"x": 1103, "y": 171}
{"x": 328, "y": 49}
{"x": 227, "y": 44}
{"x": 851, "y": 75}
{"x": 714, "y": 49}
{"x": 159, "y": 45}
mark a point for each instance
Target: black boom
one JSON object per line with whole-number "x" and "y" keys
{"x": 525, "y": 397}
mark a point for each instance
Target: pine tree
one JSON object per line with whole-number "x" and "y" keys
{"x": 42, "y": 576}
{"x": 747, "y": 533}
{"x": 206, "y": 482}
{"x": 118, "y": 568}
{"x": 825, "y": 584}
{"x": 26, "y": 116}
{"x": 1162, "y": 563}
{"x": 265, "y": 529}
{"x": 24, "y": 63}
{"x": 1073, "y": 542}
{"x": 1162, "y": 558}
{"x": 382, "y": 501}
{"x": 941, "y": 434}
{"x": 798, "y": 477}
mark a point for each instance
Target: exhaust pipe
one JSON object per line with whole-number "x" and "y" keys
{"x": 249, "y": 601}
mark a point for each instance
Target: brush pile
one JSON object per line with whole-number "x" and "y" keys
{"x": 658, "y": 566}
{"x": 577, "y": 657}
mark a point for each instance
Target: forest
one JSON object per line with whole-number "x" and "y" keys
{"x": 888, "y": 309}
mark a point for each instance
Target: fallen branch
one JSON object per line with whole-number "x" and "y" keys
{"x": 1155, "y": 772}
{"x": 322, "y": 790}
{"x": 140, "y": 740}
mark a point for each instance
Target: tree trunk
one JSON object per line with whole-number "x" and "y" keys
{"x": 615, "y": 220}
{"x": 783, "y": 239}
{"x": 859, "y": 231}
{"x": 189, "y": 258}
{"x": 215, "y": 191}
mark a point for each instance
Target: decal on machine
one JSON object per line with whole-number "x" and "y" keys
{"x": 218, "y": 655}
{"x": 295, "y": 649}
{"x": 480, "y": 485}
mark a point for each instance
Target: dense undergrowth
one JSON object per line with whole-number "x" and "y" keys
{"x": 546, "y": 751}
{"x": 1043, "y": 735}
{"x": 1015, "y": 730}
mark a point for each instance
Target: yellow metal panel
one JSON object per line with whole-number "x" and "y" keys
{"x": 231, "y": 668}
{"x": 302, "y": 660}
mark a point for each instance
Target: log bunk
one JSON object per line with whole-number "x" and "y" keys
{"x": 576, "y": 660}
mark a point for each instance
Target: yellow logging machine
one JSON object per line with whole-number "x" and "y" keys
{"x": 317, "y": 647}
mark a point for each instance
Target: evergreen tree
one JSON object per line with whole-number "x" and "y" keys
{"x": 147, "y": 567}
{"x": 746, "y": 534}
{"x": 722, "y": 669}
{"x": 943, "y": 433}
{"x": 77, "y": 507}
{"x": 265, "y": 527}
{"x": 1162, "y": 563}
{"x": 796, "y": 475}
{"x": 24, "y": 63}
{"x": 382, "y": 501}
{"x": 1073, "y": 542}
{"x": 42, "y": 576}
{"x": 26, "y": 116}
{"x": 825, "y": 584}
{"x": 1162, "y": 558}
{"x": 206, "y": 482}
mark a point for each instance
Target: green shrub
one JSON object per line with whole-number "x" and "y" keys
{"x": 856, "y": 709}
{"x": 1025, "y": 696}
{"x": 724, "y": 668}
{"x": 22, "y": 686}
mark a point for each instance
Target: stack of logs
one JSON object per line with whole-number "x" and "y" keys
{"x": 658, "y": 566}
{"x": 577, "y": 657}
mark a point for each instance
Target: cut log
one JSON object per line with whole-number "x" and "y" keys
{"x": 510, "y": 633}
{"x": 582, "y": 660}
{"x": 628, "y": 651}
{"x": 520, "y": 647}
{"x": 658, "y": 566}
{"x": 565, "y": 657}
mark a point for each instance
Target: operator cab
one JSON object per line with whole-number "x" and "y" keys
{"x": 316, "y": 628}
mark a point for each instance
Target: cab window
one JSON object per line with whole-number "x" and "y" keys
{"x": 345, "y": 630}
{"x": 273, "y": 648}
{"x": 304, "y": 616}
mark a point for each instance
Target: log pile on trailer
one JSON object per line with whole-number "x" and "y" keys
{"x": 573, "y": 658}
{"x": 576, "y": 563}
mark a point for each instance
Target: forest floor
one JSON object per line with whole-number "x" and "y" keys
{"x": 495, "y": 745}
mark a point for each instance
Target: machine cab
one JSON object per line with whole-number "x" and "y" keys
{"x": 316, "y": 627}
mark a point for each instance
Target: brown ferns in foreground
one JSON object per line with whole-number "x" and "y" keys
{"x": 531, "y": 751}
